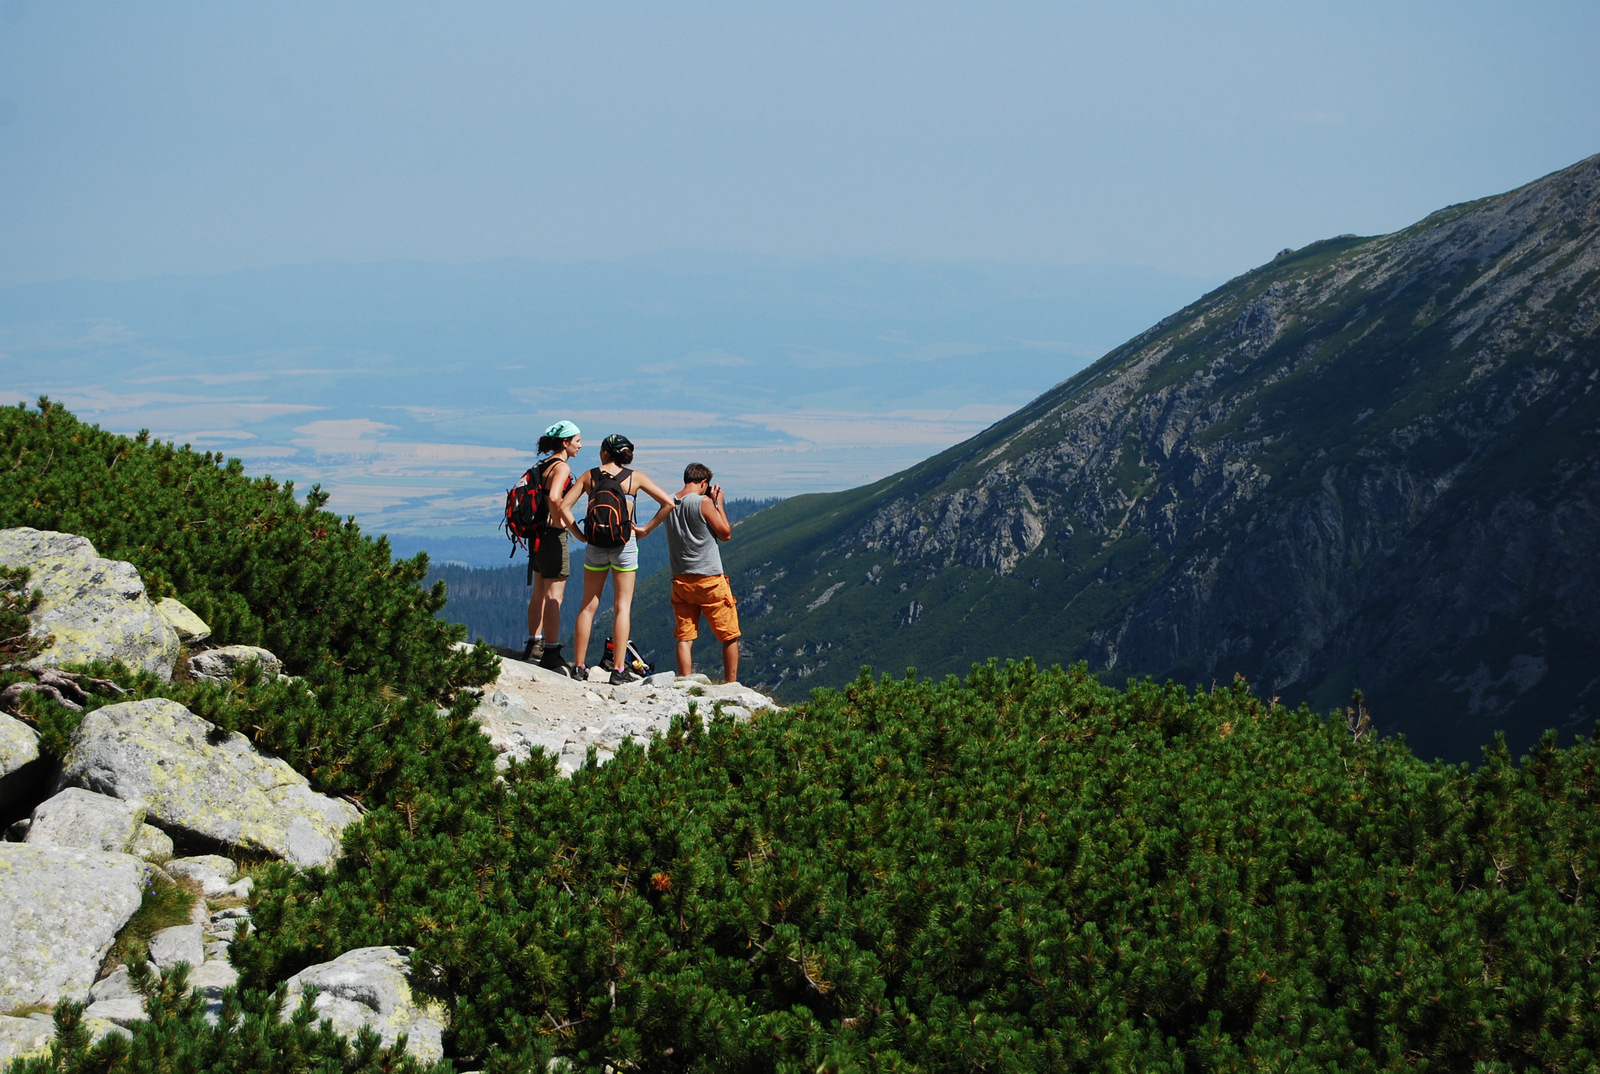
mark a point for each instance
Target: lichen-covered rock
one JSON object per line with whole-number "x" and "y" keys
{"x": 23, "y": 1038}
{"x": 96, "y": 609}
{"x": 190, "y": 627}
{"x": 368, "y": 987}
{"x": 222, "y": 663}
{"x": 151, "y": 844}
{"x": 60, "y": 910}
{"x": 80, "y": 818}
{"x": 180, "y": 943}
{"x": 19, "y": 745}
{"x": 212, "y": 872}
{"x": 20, "y": 768}
{"x": 199, "y": 781}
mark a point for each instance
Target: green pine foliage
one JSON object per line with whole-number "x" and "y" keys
{"x": 257, "y": 565}
{"x": 1026, "y": 870}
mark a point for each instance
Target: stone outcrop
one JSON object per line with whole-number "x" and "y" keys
{"x": 200, "y": 782}
{"x": 80, "y": 818}
{"x": 93, "y": 608}
{"x": 530, "y": 708}
{"x": 225, "y": 661}
{"x": 60, "y": 910}
{"x": 367, "y": 987}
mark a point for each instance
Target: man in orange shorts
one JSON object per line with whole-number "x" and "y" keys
{"x": 694, "y": 526}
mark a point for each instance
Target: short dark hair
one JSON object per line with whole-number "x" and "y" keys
{"x": 696, "y": 471}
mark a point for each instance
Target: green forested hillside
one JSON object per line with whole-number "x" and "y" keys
{"x": 1022, "y": 870}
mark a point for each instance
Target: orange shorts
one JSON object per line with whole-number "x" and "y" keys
{"x": 709, "y": 593}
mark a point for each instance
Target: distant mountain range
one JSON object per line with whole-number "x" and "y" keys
{"x": 1373, "y": 463}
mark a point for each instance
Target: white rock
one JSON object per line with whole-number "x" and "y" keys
{"x": 240, "y": 889}
{"x": 210, "y": 979}
{"x": 23, "y": 1038}
{"x": 80, "y": 818}
{"x": 216, "y": 950}
{"x": 222, "y": 663}
{"x": 180, "y": 943}
{"x": 368, "y": 987}
{"x": 200, "y": 781}
{"x": 206, "y": 870}
{"x": 662, "y": 678}
{"x": 123, "y": 1010}
{"x": 151, "y": 844}
{"x": 96, "y": 609}
{"x": 60, "y": 910}
{"x": 190, "y": 627}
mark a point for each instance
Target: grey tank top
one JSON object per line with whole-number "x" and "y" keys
{"x": 689, "y": 541}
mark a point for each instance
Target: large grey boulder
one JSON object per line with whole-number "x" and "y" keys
{"x": 220, "y": 664}
{"x": 95, "y": 608}
{"x": 368, "y": 987}
{"x": 200, "y": 781}
{"x": 21, "y": 770}
{"x": 60, "y": 910}
{"x": 80, "y": 818}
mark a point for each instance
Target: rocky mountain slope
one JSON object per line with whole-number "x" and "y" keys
{"x": 1373, "y": 463}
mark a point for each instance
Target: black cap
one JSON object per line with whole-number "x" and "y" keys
{"x": 616, "y": 445}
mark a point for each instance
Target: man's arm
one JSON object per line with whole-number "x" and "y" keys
{"x": 716, "y": 517}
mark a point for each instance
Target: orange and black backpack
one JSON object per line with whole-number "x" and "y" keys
{"x": 607, "y": 523}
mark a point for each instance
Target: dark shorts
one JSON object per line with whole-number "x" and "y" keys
{"x": 552, "y": 560}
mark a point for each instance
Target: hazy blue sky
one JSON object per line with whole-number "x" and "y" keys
{"x": 149, "y": 138}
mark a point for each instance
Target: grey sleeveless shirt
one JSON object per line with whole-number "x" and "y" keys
{"x": 689, "y": 541}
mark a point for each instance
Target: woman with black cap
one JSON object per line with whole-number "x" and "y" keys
{"x": 612, "y": 536}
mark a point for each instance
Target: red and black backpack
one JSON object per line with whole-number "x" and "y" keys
{"x": 528, "y": 507}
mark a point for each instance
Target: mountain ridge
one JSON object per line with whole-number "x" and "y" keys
{"x": 1368, "y": 463}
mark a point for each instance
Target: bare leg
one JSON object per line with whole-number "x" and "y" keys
{"x": 536, "y": 605}
{"x": 730, "y": 661}
{"x": 593, "y": 583}
{"x": 554, "y": 590}
{"x": 622, "y": 607}
{"x": 685, "y": 664}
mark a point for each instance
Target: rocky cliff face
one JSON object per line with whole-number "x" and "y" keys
{"x": 1372, "y": 463}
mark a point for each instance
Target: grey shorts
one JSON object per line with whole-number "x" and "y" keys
{"x": 625, "y": 558}
{"x": 552, "y": 560}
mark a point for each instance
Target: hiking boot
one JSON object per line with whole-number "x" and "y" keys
{"x": 551, "y": 660}
{"x": 579, "y": 672}
{"x": 532, "y": 647}
{"x": 622, "y": 677}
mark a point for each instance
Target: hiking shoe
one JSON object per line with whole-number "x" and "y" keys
{"x": 622, "y": 677}
{"x": 579, "y": 672}
{"x": 529, "y": 649}
{"x": 552, "y": 659}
